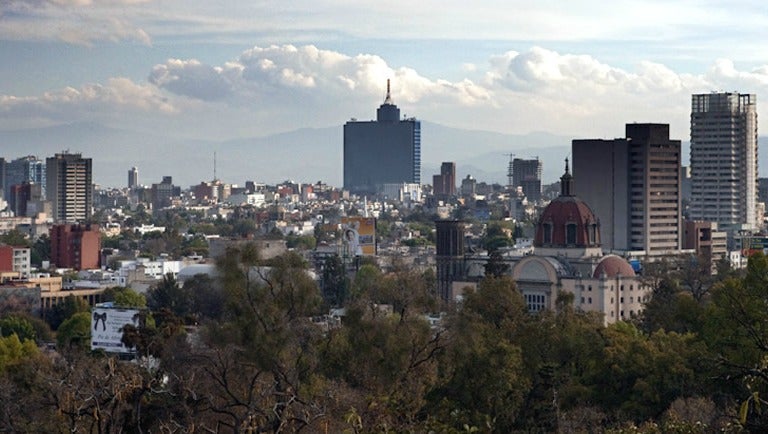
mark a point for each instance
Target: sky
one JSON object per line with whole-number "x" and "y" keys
{"x": 243, "y": 68}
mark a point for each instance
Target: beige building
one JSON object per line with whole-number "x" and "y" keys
{"x": 633, "y": 186}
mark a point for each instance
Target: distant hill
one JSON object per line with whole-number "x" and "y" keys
{"x": 303, "y": 155}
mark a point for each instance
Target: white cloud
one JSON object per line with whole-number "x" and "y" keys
{"x": 277, "y": 88}
{"x": 80, "y": 22}
{"x": 322, "y": 75}
{"x": 109, "y": 101}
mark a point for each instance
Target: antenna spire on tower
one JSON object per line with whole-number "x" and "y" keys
{"x": 388, "y": 98}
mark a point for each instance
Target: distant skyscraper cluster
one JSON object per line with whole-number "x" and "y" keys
{"x": 384, "y": 151}
{"x": 60, "y": 187}
{"x": 634, "y": 184}
{"x": 28, "y": 169}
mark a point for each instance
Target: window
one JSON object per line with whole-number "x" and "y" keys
{"x": 535, "y": 302}
{"x": 589, "y": 300}
{"x": 547, "y": 228}
{"x": 582, "y": 300}
{"x": 570, "y": 233}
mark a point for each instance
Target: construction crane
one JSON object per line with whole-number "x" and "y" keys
{"x": 510, "y": 171}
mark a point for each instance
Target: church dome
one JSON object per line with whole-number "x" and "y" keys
{"x": 567, "y": 221}
{"x": 611, "y": 266}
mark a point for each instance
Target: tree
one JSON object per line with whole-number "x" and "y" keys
{"x": 736, "y": 332}
{"x": 695, "y": 273}
{"x": 496, "y": 265}
{"x": 14, "y": 237}
{"x": 269, "y": 345}
{"x": 64, "y": 310}
{"x": 638, "y": 376}
{"x": 15, "y": 325}
{"x": 75, "y": 332}
{"x": 389, "y": 364}
{"x": 497, "y": 235}
{"x": 483, "y": 384}
{"x": 208, "y": 300}
{"x": 125, "y": 297}
{"x": 14, "y": 350}
{"x": 41, "y": 250}
{"x": 168, "y": 294}
{"x": 672, "y": 309}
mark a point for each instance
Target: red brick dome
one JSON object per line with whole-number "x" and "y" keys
{"x": 567, "y": 221}
{"x": 612, "y": 266}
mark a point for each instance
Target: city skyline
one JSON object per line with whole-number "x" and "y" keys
{"x": 210, "y": 72}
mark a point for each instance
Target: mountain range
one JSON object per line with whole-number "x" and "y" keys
{"x": 302, "y": 155}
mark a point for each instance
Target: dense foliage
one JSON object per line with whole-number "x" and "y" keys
{"x": 249, "y": 352}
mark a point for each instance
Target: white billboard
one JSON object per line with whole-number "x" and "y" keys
{"x": 107, "y": 328}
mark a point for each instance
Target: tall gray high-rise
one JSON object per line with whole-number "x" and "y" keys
{"x": 633, "y": 187}
{"x": 724, "y": 160}
{"x": 70, "y": 187}
{"x": 384, "y": 151}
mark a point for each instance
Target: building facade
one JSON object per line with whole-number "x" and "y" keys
{"x": 26, "y": 199}
{"x": 705, "y": 240}
{"x": 566, "y": 259}
{"x": 527, "y": 174}
{"x": 69, "y": 187}
{"x": 444, "y": 184}
{"x": 15, "y": 259}
{"x": 384, "y": 151}
{"x": 24, "y": 169}
{"x": 133, "y": 177}
{"x": 75, "y": 246}
{"x": 449, "y": 258}
{"x": 162, "y": 193}
{"x": 633, "y": 185}
{"x": 724, "y": 160}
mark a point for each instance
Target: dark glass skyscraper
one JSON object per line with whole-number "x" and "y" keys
{"x": 384, "y": 151}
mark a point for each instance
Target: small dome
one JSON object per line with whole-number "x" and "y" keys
{"x": 612, "y": 266}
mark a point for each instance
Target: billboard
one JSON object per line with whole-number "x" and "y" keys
{"x": 107, "y": 328}
{"x": 359, "y": 235}
{"x": 752, "y": 245}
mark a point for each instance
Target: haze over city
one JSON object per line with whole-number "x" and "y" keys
{"x": 197, "y": 71}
